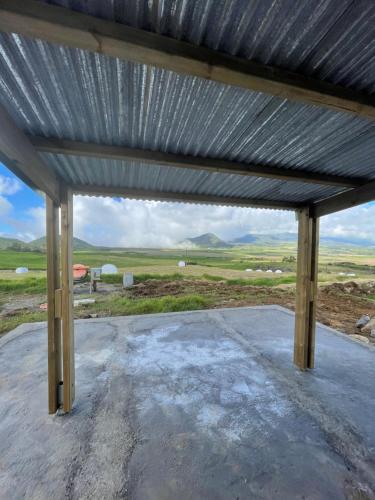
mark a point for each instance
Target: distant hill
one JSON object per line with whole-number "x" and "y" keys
{"x": 210, "y": 240}
{"x": 40, "y": 244}
{"x": 280, "y": 238}
{"x": 207, "y": 240}
{"x": 265, "y": 239}
{"x": 6, "y": 243}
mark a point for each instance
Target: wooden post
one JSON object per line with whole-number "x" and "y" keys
{"x": 67, "y": 297}
{"x": 306, "y": 289}
{"x": 54, "y": 323}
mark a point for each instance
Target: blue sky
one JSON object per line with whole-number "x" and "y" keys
{"x": 109, "y": 221}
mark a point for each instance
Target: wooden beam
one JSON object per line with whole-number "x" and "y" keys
{"x": 67, "y": 297}
{"x": 349, "y": 199}
{"x": 144, "y": 194}
{"x": 306, "y": 289}
{"x": 91, "y": 150}
{"x": 20, "y": 156}
{"x": 73, "y": 29}
{"x": 54, "y": 324}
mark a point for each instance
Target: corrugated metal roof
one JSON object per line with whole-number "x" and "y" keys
{"x": 330, "y": 40}
{"x": 67, "y": 93}
{"x": 135, "y": 175}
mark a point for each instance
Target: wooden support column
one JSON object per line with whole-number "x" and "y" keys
{"x": 67, "y": 297}
{"x": 306, "y": 289}
{"x": 54, "y": 322}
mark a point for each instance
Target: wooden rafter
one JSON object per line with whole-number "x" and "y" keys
{"x": 349, "y": 199}
{"x": 145, "y": 194}
{"x": 20, "y": 156}
{"x": 68, "y": 147}
{"x": 66, "y": 27}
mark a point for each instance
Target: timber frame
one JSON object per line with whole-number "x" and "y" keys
{"x": 61, "y": 385}
{"x": 76, "y": 148}
{"x": 306, "y": 289}
{"x": 25, "y": 156}
{"x": 73, "y": 29}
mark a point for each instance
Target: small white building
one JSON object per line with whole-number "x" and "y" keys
{"x": 22, "y": 270}
{"x": 109, "y": 269}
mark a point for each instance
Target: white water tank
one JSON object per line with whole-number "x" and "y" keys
{"x": 22, "y": 270}
{"x": 109, "y": 269}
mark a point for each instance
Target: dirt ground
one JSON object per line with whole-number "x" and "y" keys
{"x": 340, "y": 305}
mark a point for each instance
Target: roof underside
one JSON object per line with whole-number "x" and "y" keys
{"x": 55, "y": 91}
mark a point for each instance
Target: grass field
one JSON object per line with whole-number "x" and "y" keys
{"x": 229, "y": 263}
{"x": 212, "y": 278}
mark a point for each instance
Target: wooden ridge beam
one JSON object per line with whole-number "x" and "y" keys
{"x": 144, "y": 194}
{"x": 73, "y": 29}
{"x": 349, "y": 199}
{"x": 68, "y": 147}
{"x": 20, "y": 156}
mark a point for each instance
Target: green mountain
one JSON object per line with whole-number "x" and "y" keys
{"x": 208, "y": 240}
{"x": 266, "y": 239}
{"x": 10, "y": 243}
{"x": 40, "y": 244}
{"x": 283, "y": 238}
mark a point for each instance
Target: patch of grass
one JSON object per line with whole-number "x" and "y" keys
{"x": 10, "y": 259}
{"x": 211, "y": 277}
{"x": 8, "y": 323}
{"x": 24, "y": 286}
{"x": 124, "y": 306}
{"x": 263, "y": 281}
{"x": 139, "y": 278}
{"x": 113, "y": 279}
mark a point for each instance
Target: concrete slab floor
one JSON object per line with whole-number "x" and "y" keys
{"x": 200, "y": 405}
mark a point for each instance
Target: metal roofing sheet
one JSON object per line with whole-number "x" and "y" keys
{"x": 114, "y": 173}
{"x": 68, "y": 93}
{"x": 331, "y": 40}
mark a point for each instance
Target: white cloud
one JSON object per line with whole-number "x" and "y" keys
{"x": 5, "y": 206}
{"x": 130, "y": 223}
{"x": 9, "y": 185}
{"x": 358, "y": 222}
{"x": 27, "y": 228}
{"x": 106, "y": 221}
